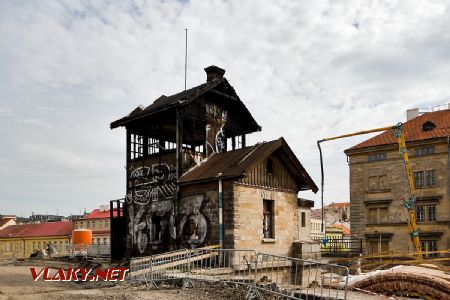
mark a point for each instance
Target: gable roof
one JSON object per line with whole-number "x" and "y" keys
{"x": 183, "y": 98}
{"x": 413, "y": 130}
{"x": 234, "y": 164}
{"x": 37, "y": 230}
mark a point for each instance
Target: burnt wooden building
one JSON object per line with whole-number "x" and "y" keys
{"x": 190, "y": 175}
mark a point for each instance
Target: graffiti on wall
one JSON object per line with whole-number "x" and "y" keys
{"x": 215, "y": 136}
{"x": 150, "y": 194}
{"x": 151, "y": 184}
{"x": 194, "y": 226}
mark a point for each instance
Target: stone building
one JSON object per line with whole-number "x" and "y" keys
{"x": 99, "y": 222}
{"x": 192, "y": 180}
{"x": 317, "y": 233}
{"x": 379, "y": 187}
{"x": 22, "y": 240}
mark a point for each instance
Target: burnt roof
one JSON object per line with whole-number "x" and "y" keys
{"x": 234, "y": 164}
{"x": 183, "y": 98}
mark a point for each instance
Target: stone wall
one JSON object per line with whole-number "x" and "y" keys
{"x": 383, "y": 185}
{"x": 248, "y": 219}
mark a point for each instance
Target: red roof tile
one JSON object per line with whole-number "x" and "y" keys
{"x": 38, "y": 230}
{"x": 100, "y": 214}
{"x": 413, "y": 130}
{"x": 4, "y": 221}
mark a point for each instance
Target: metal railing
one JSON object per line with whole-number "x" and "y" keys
{"x": 344, "y": 246}
{"x": 295, "y": 278}
{"x": 288, "y": 277}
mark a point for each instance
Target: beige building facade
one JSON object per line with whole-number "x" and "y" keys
{"x": 379, "y": 187}
{"x": 99, "y": 222}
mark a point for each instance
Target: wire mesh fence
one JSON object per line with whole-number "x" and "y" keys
{"x": 288, "y": 277}
{"x": 300, "y": 279}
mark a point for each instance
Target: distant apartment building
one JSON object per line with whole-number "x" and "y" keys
{"x": 22, "y": 240}
{"x": 99, "y": 222}
{"x": 39, "y": 218}
{"x": 316, "y": 225}
{"x": 379, "y": 187}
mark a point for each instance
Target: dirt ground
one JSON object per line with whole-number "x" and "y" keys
{"x": 16, "y": 283}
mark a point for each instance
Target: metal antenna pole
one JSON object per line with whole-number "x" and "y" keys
{"x": 185, "y": 62}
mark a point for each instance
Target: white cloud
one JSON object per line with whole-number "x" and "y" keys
{"x": 305, "y": 70}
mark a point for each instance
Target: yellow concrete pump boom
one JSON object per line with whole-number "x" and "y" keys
{"x": 409, "y": 204}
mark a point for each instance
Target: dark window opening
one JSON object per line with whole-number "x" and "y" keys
{"x": 269, "y": 166}
{"x": 427, "y": 126}
{"x": 429, "y": 246}
{"x": 431, "y": 209}
{"x": 425, "y": 150}
{"x": 427, "y": 178}
{"x": 430, "y": 177}
{"x": 420, "y": 214}
{"x": 418, "y": 179}
{"x": 303, "y": 219}
{"x": 426, "y": 213}
{"x": 377, "y": 156}
{"x": 268, "y": 219}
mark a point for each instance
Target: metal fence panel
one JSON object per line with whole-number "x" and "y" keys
{"x": 300, "y": 279}
{"x": 288, "y": 277}
{"x": 160, "y": 267}
{"x": 224, "y": 265}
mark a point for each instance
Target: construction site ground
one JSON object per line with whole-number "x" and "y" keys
{"x": 16, "y": 283}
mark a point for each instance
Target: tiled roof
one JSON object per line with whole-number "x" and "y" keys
{"x": 4, "y": 221}
{"x": 100, "y": 214}
{"x": 234, "y": 164}
{"x": 413, "y": 130}
{"x": 38, "y": 230}
{"x": 338, "y": 204}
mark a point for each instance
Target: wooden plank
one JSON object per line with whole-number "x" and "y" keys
{"x": 175, "y": 263}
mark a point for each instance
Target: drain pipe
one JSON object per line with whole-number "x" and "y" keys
{"x": 220, "y": 202}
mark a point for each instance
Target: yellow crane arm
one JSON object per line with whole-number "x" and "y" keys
{"x": 409, "y": 204}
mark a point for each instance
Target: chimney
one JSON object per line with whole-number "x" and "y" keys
{"x": 412, "y": 113}
{"x": 213, "y": 73}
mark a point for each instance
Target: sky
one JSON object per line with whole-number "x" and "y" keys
{"x": 305, "y": 70}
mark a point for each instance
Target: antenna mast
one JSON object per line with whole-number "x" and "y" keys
{"x": 185, "y": 62}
